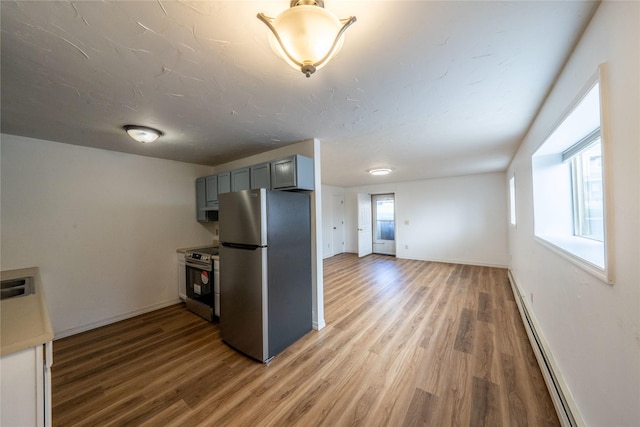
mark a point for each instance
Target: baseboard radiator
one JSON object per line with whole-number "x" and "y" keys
{"x": 565, "y": 407}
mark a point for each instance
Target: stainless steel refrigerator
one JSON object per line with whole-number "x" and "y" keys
{"x": 265, "y": 270}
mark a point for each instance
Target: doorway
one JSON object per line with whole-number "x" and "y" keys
{"x": 338, "y": 224}
{"x": 365, "y": 238}
{"x": 384, "y": 224}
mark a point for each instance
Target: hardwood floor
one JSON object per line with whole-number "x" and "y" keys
{"x": 407, "y": 343}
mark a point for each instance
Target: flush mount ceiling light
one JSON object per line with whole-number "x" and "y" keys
{"x": 381, "y": 171}
{"x": 142, "y": 133}
{"x": 306, "y": 35}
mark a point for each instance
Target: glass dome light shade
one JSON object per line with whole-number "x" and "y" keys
{"x": 142, "y": 134}
{"x": 307, "y": 33}
{"x": 380, "y": 171}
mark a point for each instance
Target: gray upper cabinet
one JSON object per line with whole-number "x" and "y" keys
{"x": 261, "y": 176}
{"x": 289, "y": 173}
{"x": 224, "y": 182}
{"x": 292, "y": 173}
{"x": 240, "y": 179}
{"x": 201, "y": 198}
{"x": 207, "y": 190}
{"x": 212, "y": 191}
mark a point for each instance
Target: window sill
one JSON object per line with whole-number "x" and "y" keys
{"x": 587, "y": 254}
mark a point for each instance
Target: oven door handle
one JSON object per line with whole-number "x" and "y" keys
{"x": 200, "y": 266}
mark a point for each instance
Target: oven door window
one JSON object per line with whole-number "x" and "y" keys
{"x": 200, "y": 285}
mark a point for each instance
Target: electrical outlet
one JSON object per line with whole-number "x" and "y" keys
{"x": 406, "y": 222}
{"x": 406, "y": 246}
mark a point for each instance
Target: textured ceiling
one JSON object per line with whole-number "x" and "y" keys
{"x": 427, "y": 88}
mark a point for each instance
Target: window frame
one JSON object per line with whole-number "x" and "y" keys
{"x": 578, "y": 185}
{"x": 512, "y": 202}
{"x": 574, "y": 248}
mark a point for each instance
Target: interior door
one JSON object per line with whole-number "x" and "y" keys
{"x": 338, "y": 224}
{"x": 384, "y": 224}
{"x": 365, "y": 238}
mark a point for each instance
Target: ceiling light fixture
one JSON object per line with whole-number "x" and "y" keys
{"x": 142, "y": 133}
{"x": 381, "y": 171}
{"x": 306, "y": 35}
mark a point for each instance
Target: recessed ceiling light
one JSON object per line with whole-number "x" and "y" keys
{"x": 381, "y": 171}
{"x": 142, "y": 133}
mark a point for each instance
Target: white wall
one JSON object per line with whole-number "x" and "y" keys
{"x": 460, "y": 220}
{"x": 102, "y": 226}
{"x": 591, "y": 328}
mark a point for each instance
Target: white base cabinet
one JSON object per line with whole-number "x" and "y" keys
{"x": 182, "y": 277}
{"x": 26, "y": 387}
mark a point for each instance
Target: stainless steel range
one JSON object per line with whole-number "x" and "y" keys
{"x": 203, "y": 283}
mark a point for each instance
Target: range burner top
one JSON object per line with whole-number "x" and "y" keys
{"x": 208, "y": 251}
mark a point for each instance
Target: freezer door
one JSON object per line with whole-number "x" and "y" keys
{"x": 242, "y": 217}
{"x": 243, "y": 300}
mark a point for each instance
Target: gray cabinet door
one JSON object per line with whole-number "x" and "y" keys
{"x": 292, "y": 173}
{"x": 201, "y": 197}
{"x": 240, "y": 179}
{"x": 283, "y": 173}
{"x": 224, "y": 183}
{"x": 212, "y": 191}
{"x": 261, "y": 176}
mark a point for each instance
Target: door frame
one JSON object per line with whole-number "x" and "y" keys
{"x": 387, "y": 248}
{"x": 337, "y": 217}
{"x": 365, "y": 236}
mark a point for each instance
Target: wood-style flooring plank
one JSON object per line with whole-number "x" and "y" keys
{"x": 466, "y": 330}
{"x": 421, "y": 409}
{"x": 485, "y": 408}
{"x": 407, "y": 343}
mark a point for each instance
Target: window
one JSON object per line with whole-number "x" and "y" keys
{"x": 512, "y": 200}
{"x": 586, "y": 187}
{"x": 385, "y": 221}
{"x": 384, "y": 232}
{"x": 569, "y": 198}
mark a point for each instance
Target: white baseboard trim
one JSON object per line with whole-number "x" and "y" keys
{"x": 83, "y": 328}
{"x": 444, "y": 261}
{"x": 455, "y": 261}
{"x": 563, "y": 401}
{"x": 317, "y": 325}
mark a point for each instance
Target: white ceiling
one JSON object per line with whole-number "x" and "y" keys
{"x": 427, "y": 88}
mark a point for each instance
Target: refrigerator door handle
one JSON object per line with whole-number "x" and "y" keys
{"x": 240, "y": 246}
{"x": 48, "y": 361}
{"x": 48, "y": 346}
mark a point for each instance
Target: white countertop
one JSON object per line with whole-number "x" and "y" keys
{"x": 215, "y": 244}
{"x": 24, "y": 321}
